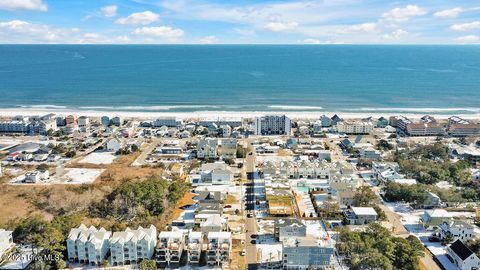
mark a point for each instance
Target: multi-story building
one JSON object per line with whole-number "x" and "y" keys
{"x": 297, "y": 169}
{"x": 88, "y": 245}
{"x": 427, "y": 126}
{"x": 13, "y": 126}
{"x": 71, "y": 119}
{"x": 273, "y": 125}
{"x": 306, "y": 252}
{"x": 354, "y": 127}
{"x": 167, "y": 121}
{"x": 170, "y": 248}
{"x": 83, "y": 123}
{"x": 458, "y": 127}
{"x": 207, "y": 148}
{"x": 132, "y": 246}
{"x": 194, "y": 247}
{"x": 219, "y": 247}
{"x": 360, "y": 215}
{"x": 116, "y": 121}
{"x": 459, "y": 230}
{"x": 6, "y": 242}
{"x": 289, "y": 227}
{"x": 105, "y": 120}
{"x": 227, "y": 148}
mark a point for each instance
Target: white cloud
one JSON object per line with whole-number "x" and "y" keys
{"x": 396, "y": 35}
{"x": 403, "y": 14}
{"x": 358, "y": 28}
{"x": 36, "y": 5}
{"x": 22, "y": 32}
{"x": 109, "y": 11}
{"x": 164, "y": 32}
{"x": 469, "y": 39}
{"x": 208, "y": 40}
{"x": 311, "y": 41}
{"x": 449, "y": 13}
{"x": 280, "y": 26}
{"x": 466, "y": 26}
{"x": 140, "y": 18}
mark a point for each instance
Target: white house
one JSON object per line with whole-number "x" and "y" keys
{"x": 36, "y": 176}
{"x": 207, "y": 148}
{"x": 360, "y": 215}
{"x": 131, "y": 246}
{"x": 114, "y": 145}
{"x": 88, "y": 245}
{"x": 458, "y": 229}
{"x": 462, "y": 257}
{"x": 6, "y": 241}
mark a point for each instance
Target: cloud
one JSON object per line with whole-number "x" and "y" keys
{"x": 462, "y": 27}
{"x": 449, "y": 13}
{"x": 469, "y": 39}
{"x": 109, "y": 11}
{"x": 396, "y": 35}
{"x": 18, "y": 31}
{"x": 280, "y": 26}
{"x": 23, "y": 32}
{"x": 358, "y": 28}
{"x": 35, "y": 5}
{"x": 208, "y": 40}
{"x": 403, "y": 14}
{"x": 140, "y": 18}
{"x": 164, "y": 32}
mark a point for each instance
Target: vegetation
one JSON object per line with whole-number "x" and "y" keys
{"x": 384, "y": 145}
{"x": 48, "y": 236}
{"x": 138, "y": 200}
{"x": 429, "y": 164}
{"x": 376, "y": 248}
{"x": 147, "y": 265}
{"x": 365, "y": 197}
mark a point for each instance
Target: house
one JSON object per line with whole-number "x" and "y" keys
{"x": 289, "y": 227}
{"x": 382, "y": 122}
{"x": 462, "y": 256}
{"x": 435, "y": 217}
{"x": 6, "y": 242}
{"x": 432, "y": 200}
{"x": 219, "y": 247}
{"x": 213, "y": 223}
{"x": 113, "y": 145}
{"x": 36, "y": 176}
{"x": 360, "y": 215}
{"x": 88, "y": 245}
{"x": 459, "y": 230}
{"x": 170, "y": 248}
{"x": 227, "y": 148}
{"x": 207, "y": 148}
{"x": 217, "y": 173}
{"x": 105, "y": 120}
{"x": 132, "y": 246}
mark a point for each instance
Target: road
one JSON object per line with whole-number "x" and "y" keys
{"x": 146, "y": 151}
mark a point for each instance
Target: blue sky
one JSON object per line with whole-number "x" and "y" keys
{"x": 240, "y": 21}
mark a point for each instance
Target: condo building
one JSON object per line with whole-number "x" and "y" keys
{"x": 132, "y": 246}
{"x": 273, "y": 125}
{"x": 219, "y": 247}
{"x": 170, "y": 248}
{"x": 194, "y": 247}
{"x": 88, "y": 245}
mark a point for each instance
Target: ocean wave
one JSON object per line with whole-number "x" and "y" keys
{"x": 43, "y": 106}
{"x": 147, "y": 108}
{"x": 442, "y": 70}
{"x": 426, "y": 110}
{"x": 291, "y": 107}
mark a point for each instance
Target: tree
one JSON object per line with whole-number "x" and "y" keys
{"x": 364, "y": 197}
{"x": 42, "y": 167}
{"x": 448, "y": 239}
{"x": 104, "y": 263}
{"x": 147, "y": 265}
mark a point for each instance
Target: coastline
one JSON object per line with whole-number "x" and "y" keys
{"x": 229, "y": 114}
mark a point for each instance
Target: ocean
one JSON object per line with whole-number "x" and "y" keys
{"x": 190, "y": 78}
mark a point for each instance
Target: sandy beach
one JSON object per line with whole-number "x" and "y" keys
{"x": 224, "y": 114}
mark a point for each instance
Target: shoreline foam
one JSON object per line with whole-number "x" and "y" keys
{"x": 229, "y": 114}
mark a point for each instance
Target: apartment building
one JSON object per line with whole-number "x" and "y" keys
{"x": 88, "y": 245}
{"x": 273, "y": 125}
{"x": 307, "y": 252}
{"x": 194, "y": 247}
{"x": 167, "y": 121}
{"x": 354, "y": 127}
{"x": 13, "y": 126}
{"x": 219, "y": 248}
{"x": 458, "y": 127}
{"x": 289, "y": 227}
{"x": 132, "y": 246}
{"x": 170, "y": 248}
{"x": 297, "y": 169}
